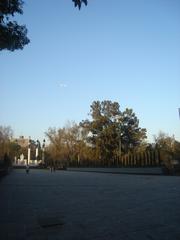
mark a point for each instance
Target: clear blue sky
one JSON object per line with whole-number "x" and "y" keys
{"x": 121, "y": 50}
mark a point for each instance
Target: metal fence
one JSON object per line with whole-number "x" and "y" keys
{"x": 150, "y": 158}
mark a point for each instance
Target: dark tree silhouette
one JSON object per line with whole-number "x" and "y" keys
{"x": 12, "y": 35}
{"x": 78, "y": 3}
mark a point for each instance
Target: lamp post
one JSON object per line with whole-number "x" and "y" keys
{"x": 119, "y": 139}
{"x": 43, "y": 150}
{"x": 120, "y": 143}
{"x": 29, "y": 151}
{"x": 37, "y": 150}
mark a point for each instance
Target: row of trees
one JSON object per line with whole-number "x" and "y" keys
{"x": 109, "y": 134}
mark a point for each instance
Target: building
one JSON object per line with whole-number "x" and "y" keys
{"x": 21, "y": 141}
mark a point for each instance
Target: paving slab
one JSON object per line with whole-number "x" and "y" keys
{"x": 72, "y": 205}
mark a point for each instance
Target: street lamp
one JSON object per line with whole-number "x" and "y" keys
{"x": 29, "y": 151}
{"x": 120, "y": 143}
{"x": 37, "y": 149}
{"x": 119, "y": 138}
{"x": 43, "y": 150}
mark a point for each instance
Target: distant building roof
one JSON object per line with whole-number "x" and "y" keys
{"x": 23, "y": 142}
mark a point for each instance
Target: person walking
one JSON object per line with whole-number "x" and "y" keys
{"x": 27, "y": 169}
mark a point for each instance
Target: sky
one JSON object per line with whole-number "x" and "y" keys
{"x": 122, "y": 50}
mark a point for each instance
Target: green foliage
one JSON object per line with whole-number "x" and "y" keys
{"x": 14, "y": 149}
{"x": 99, "y": 140}
{"x": 109, "y": 127}
{"x": 8, "y": 145}
{"x": 12, "y": 35}
{"x": 10, "y": 7}
{"x": 5, "y": 136}
{"x": 132, "y": 135}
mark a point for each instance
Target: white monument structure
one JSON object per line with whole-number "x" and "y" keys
{"x": 34, "y": 150}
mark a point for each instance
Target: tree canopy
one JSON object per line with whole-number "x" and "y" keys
{"x": 12, "y": 35}
{"x": 111, "y": 129}
{"x": 78, "y": 3}
{"x": 101, "y": 138}
{"x": 6, "y": 134}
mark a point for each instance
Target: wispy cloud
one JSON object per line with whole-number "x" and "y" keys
{"x": 62, "y": 85}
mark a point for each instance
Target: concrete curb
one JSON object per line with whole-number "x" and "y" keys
{"x": 136, "y": 171}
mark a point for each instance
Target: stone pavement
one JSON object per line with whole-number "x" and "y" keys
{"x": 86, "y": 205}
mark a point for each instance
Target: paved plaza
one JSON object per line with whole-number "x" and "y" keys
{"x": 89, "y": 206}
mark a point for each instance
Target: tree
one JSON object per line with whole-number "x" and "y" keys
{"x": 14, "y": 149}
{"x": 6, "y": 134}
{"x": 168, "y": 144}
{"x": 12, "y": 35}
{"x": 111, "y": 130}
{"x": 169, "y": 150}
{"x": 68, "y": 146}
{"x": 78, "y": 3}
{"x": 131, "y": 134}
{"x": 63, "y": 146}
{"x": 97, "y": 141}
{"x": 165, "y": 142}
